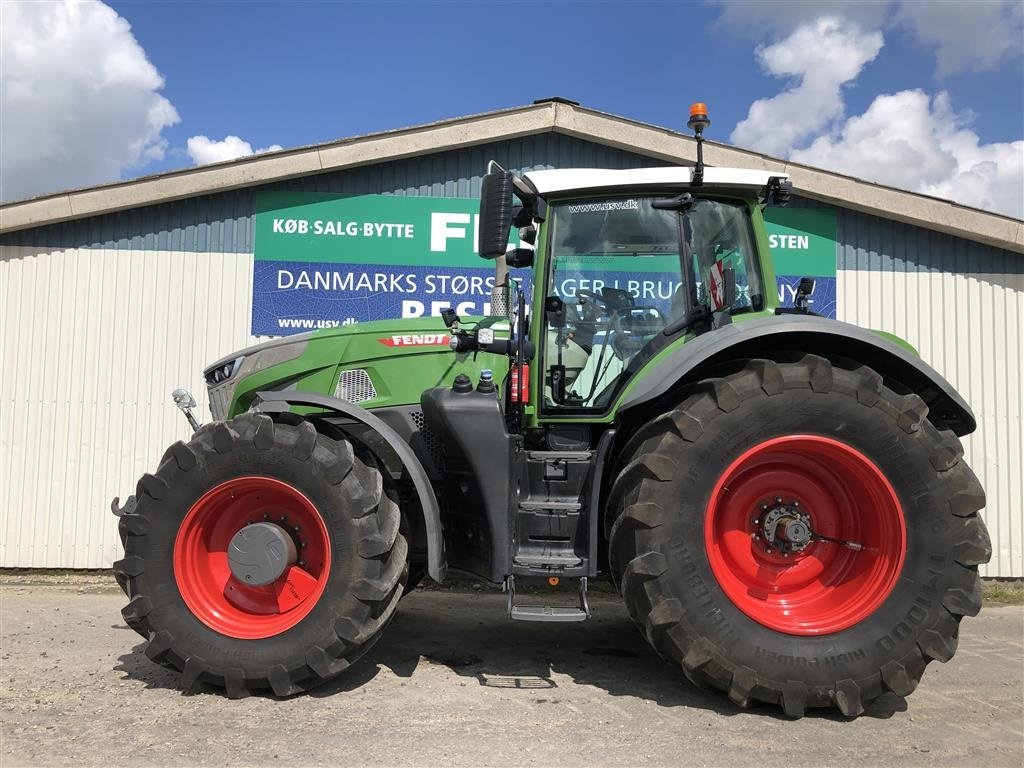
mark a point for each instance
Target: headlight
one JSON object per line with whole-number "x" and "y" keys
{"x": 222, "y": 373}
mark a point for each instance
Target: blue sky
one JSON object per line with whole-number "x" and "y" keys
{"x": 288, "y": 74}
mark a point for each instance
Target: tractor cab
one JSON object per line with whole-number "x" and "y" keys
{"x": 625, "y": 264}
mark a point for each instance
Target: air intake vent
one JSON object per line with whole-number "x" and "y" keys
{"x": 355, "y": 386}
{"x": 430, "y": 441}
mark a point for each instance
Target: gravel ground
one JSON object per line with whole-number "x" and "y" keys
{"x": 454, "y": 683}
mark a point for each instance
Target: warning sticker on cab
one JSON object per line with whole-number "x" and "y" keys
{"x": 716, "y": 285}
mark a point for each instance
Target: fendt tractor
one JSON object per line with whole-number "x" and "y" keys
{"x": 780, "y": 498}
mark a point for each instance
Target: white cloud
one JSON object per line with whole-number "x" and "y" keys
{"x": 203, "y": 149}
{"x": 915, "y": 142}
{"x": 821, "y": 56}
{"x": 907, "y": 139}
{"x": 978, "y": 35}
{"x": 967, "y": 36}
{"x": 79, "y": 98}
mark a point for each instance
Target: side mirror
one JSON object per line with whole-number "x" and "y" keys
{"x": 183, "y": 399}
{"x": 495, "y": 214}
{"x": 803, "y": 293}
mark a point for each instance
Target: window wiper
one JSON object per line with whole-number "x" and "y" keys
{"x": 678, "y": 203}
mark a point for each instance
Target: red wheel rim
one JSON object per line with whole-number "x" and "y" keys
{"x": 204, "y": 578}
{"x": 825, "y": 587}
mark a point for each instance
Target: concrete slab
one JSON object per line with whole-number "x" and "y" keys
{"x": 454, "y": 683}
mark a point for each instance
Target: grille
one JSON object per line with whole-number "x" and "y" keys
{"x": 429, "y": 440}
{"x": 355, "y": 386}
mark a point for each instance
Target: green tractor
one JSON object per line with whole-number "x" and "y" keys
{"x": 780, "y": 498}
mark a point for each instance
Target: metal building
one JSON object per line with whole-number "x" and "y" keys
{"x": 111, "y": 296}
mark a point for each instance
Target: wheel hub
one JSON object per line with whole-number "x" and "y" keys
{"x": 249, "y": 579}
{"x": 783, "y": 527}
{"x": 260, "y": 553}
{"x": 805, "y": 534}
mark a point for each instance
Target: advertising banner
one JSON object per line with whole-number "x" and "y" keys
{"x": 803, "y": 244}
{"x": 325, "y": 260}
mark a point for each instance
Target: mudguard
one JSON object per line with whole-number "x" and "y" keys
{"x": 806, "y": 333}
{"x": 281, "y": 402}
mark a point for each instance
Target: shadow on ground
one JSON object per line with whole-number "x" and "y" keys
{"x": 470, "y": 635}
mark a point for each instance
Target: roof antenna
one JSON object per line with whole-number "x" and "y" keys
{"x": 697, "y": 123}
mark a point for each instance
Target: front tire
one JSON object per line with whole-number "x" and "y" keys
{"x": 808, "y": 622}
{"x": 319, "y": 614}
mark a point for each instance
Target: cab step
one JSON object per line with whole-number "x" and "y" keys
{"x": 547, "y": 612}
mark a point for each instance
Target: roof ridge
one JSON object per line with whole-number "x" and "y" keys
{"x": 548, "y": 115}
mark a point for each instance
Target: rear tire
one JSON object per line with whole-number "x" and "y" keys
{"x": 187, "y": 605}
{"x": 737, "y": 616}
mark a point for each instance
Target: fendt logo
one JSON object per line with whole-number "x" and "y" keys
{"x": 417, "y": 340}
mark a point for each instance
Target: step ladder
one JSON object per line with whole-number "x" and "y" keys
{"x": 546, "y": 612}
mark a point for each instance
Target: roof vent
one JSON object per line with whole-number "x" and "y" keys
{"x": 557, "y": 100}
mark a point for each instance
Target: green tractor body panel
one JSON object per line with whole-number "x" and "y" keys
{"x": 400, "y": 357}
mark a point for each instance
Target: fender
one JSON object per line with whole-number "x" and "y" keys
{"x": 280, "y": 402}
{"x": 806, "y": 333}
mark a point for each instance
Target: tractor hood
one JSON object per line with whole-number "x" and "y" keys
{"x": 375, "y": 364}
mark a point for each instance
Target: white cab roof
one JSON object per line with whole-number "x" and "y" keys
{"x": 581, "y": 179}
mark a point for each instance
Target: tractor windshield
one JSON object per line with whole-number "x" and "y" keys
{"x": 623, "y": 271}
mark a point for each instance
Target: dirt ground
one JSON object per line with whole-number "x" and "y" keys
{"x": 454, "y": 683}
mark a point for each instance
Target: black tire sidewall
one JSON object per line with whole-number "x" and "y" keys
{"x": 857, "y": 652}
{"x": 220, "y": 651}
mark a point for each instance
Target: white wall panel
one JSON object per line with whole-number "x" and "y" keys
{"x": 969, "y": 328}
{"x": 92, "y": 341}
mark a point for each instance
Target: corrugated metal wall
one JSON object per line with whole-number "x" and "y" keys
{"x": 962, "y": 305}
{"x": 92, "y": 342}
{"x": 101, "y": 318}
